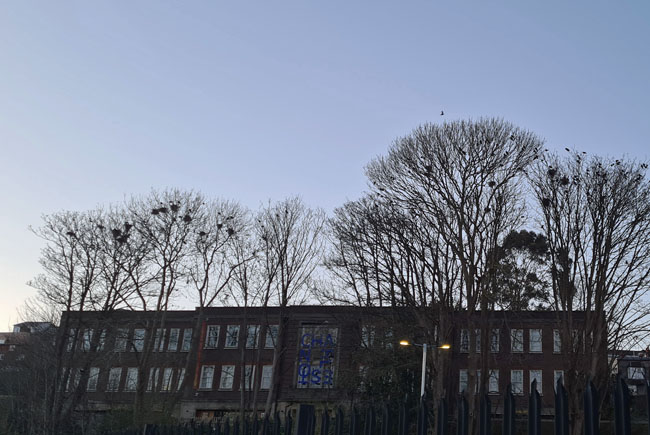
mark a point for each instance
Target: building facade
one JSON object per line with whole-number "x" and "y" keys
{"x": 204, "y": 364}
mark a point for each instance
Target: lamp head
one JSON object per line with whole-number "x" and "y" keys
{"x": 404, "y": 343}
{"x": 445, "y": 346}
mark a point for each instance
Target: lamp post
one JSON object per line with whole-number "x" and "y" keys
{"x": 424, "y": 359}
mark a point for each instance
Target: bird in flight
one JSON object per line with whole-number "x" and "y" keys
{"x": 442, "y": 112}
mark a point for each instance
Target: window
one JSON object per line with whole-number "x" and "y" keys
{"x": 536, "y": 375}
{"x": 159, "y": 341}
{"x": 462, "y": 380}
{"x": 477, "y": 343}
{"x": 102, "y": 340}
{"x": 2, "y": 341}
{"x": 271, "y": 336}
{"x": 557, "y": 375}
{"x": 167, "y": 379}
{"x": 249, "y": 377}
{"x": 635, "y": 373}
{"x": 516, "y": 340}
{"x": 93, "y": 377}
{"x": 12, "y": 347}
{"x": 232, "y": 336}
{"x": 535, "y": 340}
{"x": 252, "y": 336}
{"x": 138, "y": 340}
{"x": 464, "y": 340}
{"x": 187, "y": 340}
{"x": 227, "y": 377}
{"x": 207, "y": 375}
{"x": 494, "y": 341}
{"x": 493, "y": 382}
{"x": 114, "y": 376}
{"x": 517, "y": 381}
{"x": 87, "y": 339}
{"x": 316, "y": 357}
{"x": 557, "y": 341}
{"x": 131, "y": 382}
{"x": 152, "y": 385}
{"x": 578, "y": 342}
{"x": 212, "y": 337}
{"x": 71, "y": 338}
{"x": 181, "y": 378}
{"x": 121, "y": 339}
{"x": 73, "y": 379}
{"x": 267, "y": 375}
{"x": 172, "y": 346}
{"x": 367, "y": 336}
{"x": 388, "y": 338}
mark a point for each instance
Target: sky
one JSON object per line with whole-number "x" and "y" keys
{"x": 257, "y": 101}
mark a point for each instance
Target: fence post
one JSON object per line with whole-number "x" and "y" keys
{"x": 508, "y": 412}
{"x": 561, "y": 409}
{"x": 369, "y": 424}
{"x": 288, "y": 424}
{"x": 534, "y": 410}
{"x": 485, "y": 416}
{"x": 325, "y": 423}
{"x": 462, "y": 427}
{"x": 423, "y": 421}
{"x": 305, "y": 417}
{"x": 403, "y": 424}
{"x": 385, "y": 420}
{"x": 226, "y": 427}
{"x": 442, "y": 423}
{"x": 354, "y": 421}
{"x": 622, "y": 407}
{"x": 338, "y": 425}
{"x": 591, "y": 409}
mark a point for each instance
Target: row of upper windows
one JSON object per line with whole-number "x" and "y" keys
{"x": 172, "y": 379}
{"x": 133, "y": 342}
{"x": 168, "y": 339}
{"x": 227, "y": 377}
{"x": 232, "y": 335}
{"x": 516, "y": 340}
{"x": 516, "y": 380}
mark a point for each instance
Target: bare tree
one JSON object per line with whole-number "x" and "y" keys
{"x": 595, "y": 213}
{"x": 457, "y": 190}
{"x": 291, "y": 240}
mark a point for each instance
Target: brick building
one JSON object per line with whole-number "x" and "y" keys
{"x": 207, "y": 364}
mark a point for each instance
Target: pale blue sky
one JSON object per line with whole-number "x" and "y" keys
{"x": 259, "y": 100}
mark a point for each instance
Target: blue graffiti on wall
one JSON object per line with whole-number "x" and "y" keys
{"x": 316, "y": 359}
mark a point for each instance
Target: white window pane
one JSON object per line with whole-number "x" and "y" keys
{"x": 87, "y": 339}
{"x": 232, "y": 336}
{"x": 212, "y": 336}
{"x": 131, "y": 383}
{"x": 477, "y": 342}
{"x": 159, "y": 341}
{"x": 464, "y": 340}
{"x": 71, "y": 339}
{"x": 536, "y": 375}
{"x": 462, "y": 380}
{"x": 517, "y": 381}
{"x": 535, "y": 340}
{"x": 227, "y": 377}
{"x": 267, "y": 374}
{"x": 635, "y": 373}
{"x": 557, "y": 374}
{"x": 271, "y": 336}
{"x": 152, "y": 385}
{"x": 114, "y": 376}
{"x": 494, "y": 340}
{"x": 516, "y": 340}
{"x": 252, "y": 336}
{"x": 121, "y": 339}
{"x": 181, "y": 378}
{"x": 138, "y": 340}
{"x": 207, "y": 375}
{"x": 493, "y": 386}
{"x": 167, "y": 379}
{"x": 187, "y": 340}
{"x": 173, "y": 339}
{"x": 93, "y": 377}
{"x": 249, "y": 377}
{"x": 557, "y": 341}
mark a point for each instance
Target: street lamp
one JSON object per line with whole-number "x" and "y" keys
{"x": 424, "y": 358}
